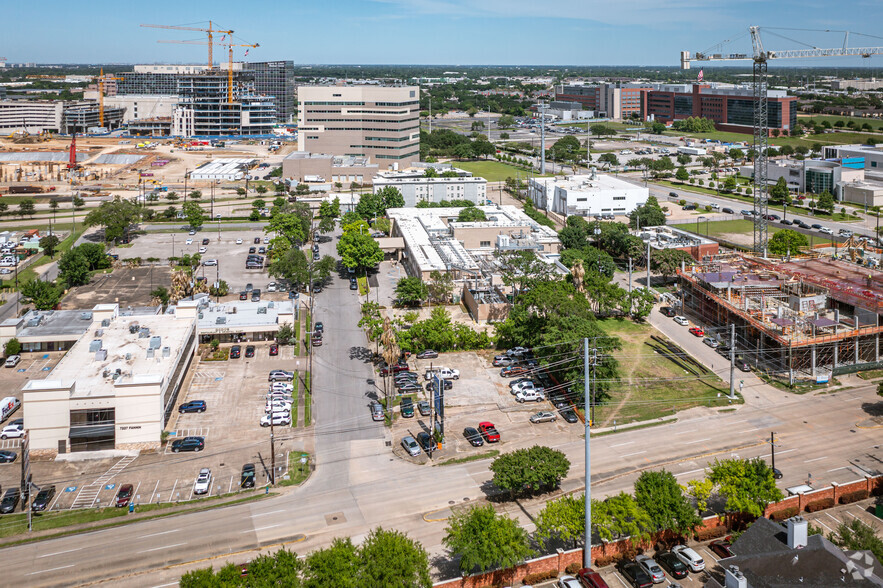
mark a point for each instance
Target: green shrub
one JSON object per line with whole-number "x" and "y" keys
{"x": 851, "y": 497}
{"x": 573, "y": 568}
{"x": 785, "y": 513}
{"x": 817, "y": 505}
{"x": 538, "y": 577}
{"x": 13, "y": 347}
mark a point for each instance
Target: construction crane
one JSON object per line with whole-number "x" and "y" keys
{"x": 230, "y": 59}
{"x": 760, "y": 56}
{"x": 101, "y": 80}
{"x": 209, "y": 31}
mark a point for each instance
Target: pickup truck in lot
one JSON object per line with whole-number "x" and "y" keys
{"x": 443, "y": 372}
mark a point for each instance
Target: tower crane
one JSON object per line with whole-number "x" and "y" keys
{"x": 760, "y": 57}
{"x": 209, "y": 31}
{"x": 101, "y": 80}
{"x": 230, "y": 59}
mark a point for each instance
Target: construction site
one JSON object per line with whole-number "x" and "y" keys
{"x": 796, "y": 320}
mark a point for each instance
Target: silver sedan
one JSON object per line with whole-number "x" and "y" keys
{"x": 543, "y": 417}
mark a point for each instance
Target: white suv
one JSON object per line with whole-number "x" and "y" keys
{"x": 12, "y": 432}
{"x": 203, "y": 481}
{"x": 681, "y": 320}
{"x": 689, "y": 558}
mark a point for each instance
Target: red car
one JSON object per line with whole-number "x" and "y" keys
{"x": 274, "y": 349}
{"x": 513, "y": 371}
{"x": 721, "y": 547}
{"x": 399, "y": 367}
{"x": 589, "y": 578}
{"x": 697, "y": 331}
{"x": 124, "y": 495}
{"x": 489, "y": 432}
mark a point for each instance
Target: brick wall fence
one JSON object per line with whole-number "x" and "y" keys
{"x": 558, "y": 562}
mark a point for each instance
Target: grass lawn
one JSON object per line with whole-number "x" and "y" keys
{"x": 832, "y": 118}
{"x": 473, "y": 457}
{"x": 652, "y": 386}
{"x": 870, "y": 375}
{"x": 492, "y": 171}
{"x": 741, "y": 226}
{"x": 308, "y": 401}
{"x": 297, "y": 472}
{"x": 807, "y": 141}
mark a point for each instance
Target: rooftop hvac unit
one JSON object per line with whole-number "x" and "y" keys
{"x": 200, "y": 316}
{"x": 271, "y": 304}
{"x": 220, "y": 320}
{"x": 95, "y": 345}
{"x": 85, "y": 316}
{"x": 144, "y": 333}
{"x": 262, "y": 310}
{"x": 99, "y": 332}
{"x": 134, "y": 328}
{"x": 155, "y": 343}
{"x": 166, "y": 351}
{"x": 35, "y": 322}
{"x": 150, "y": 353}
{"x": 101, "y": 355}
{"x": 105, "y": 323}
{"x": 128, "y": 357}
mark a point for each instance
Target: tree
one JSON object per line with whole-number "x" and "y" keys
{"x": 649, "y": 214}
{"x": 358, "y": 250}
{"x": 657, "y": 128}
{"x": 660, "y": 496}
{"x": 520, "y": 268}
{"x": 529, "y": 471}
{"x": 880, "y": 389}
{"x": 684, "y": 159}
{"x": 171, "y": 196}
{"x": 620, "y": 516}
{"x": 440, "y": 286}
{"x": 463, "y": 151}
{"x": 601, "y": 129}
{"x": 565, "y": 149}
{"x": 779, "y": 192}
{"x": 73, "y": 268}
{"x": 161, "y": 294}
{"x": 730, "y": 184}
{"x": 12, "y": 347}
{"x": 44, "y": 295}
{"x": 294, "y": 267}
{"x": 194, "y": 214}
{"x": 682, "y": 174}
{"x": 668, "y": 261}
{"x": 411, "y": 291}
{"x": 240, "y": 191}
{"x": 26, "y": 207}
{"x": 484, "y": 540}
{"x": 116, "y": 217}
{"x": 391, "y": 559}
{"x": 261, "y": 189}
{"x": 564, "y": 519}
{"x": 787, "y": 241}
{"x": 505, "y": 121}
{"x": 693, "y": 125}
{"x": 826, "y": 202}
{"x": 747, "y": 484}
{"x": 483, "y": 147}
{"x": 49, "y": 244}
{"x": 471, "y": 214}
{"x": 856, "y": 535}
{"x": 737, "y": 154}
{"x": 78, "y": 203}
{"x": 700, "y": 491}
{"x": 608, "y": 159}
{"x": 337, "y": 565}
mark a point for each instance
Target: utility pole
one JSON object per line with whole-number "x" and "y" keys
{"x": 587, "y": 549}
{"x": 732, "y": 360}
{"x": 542, "y": 107}
{"x": 648, "y": 266}
{"x": 272, "y": 443}
{"x": 630, "y": 275}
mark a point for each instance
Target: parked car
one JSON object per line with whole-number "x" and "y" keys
{"x": 196, "y": 444}
{"x": 543, "y": 417}
{"x": 569, "y": 415}
{"x": 634, "y": 574}
{"x": 721, "y": 547}
{"x": 235, "y": 352}
{"x": 423, "y": 407}
{"x": 247, "y": 477}
{"x": 249, "y": 351}
{"x": 410, "y": 445}
{"x": 525, "y": 386}
{"x": 43, "y": 499}
{"x": 826, "y": 231}
{"x": 589, "y": 578}
{"x": 425, "y": 441}
{"x": 279, "y": 419}
{"x": 446, "y": 384}
{"x": 689, "y": 558}
{"x": 697, "y": 331}
{"x": 124, "y": 496}
{"x": 407, "y": 387}
{"x": 12, "y": 432}
{"x": 399, "y": 367}
{"x": 257, "y": 240}
{"x": 517, "y": 351}
{"x": 354, "y": 285}
{"x": 727, "y": 210}
{"x": 667, "y": 311}
{"x": 444, "y": 373}
{"x": 376, "y": 411}
{"x": 192, "y": 406}
{"x": 489, "y": 432}
{"x": 652, "y": 568}
{"x": 530, "y": 396}
{"x": 513, "y": 371}
{"x": 473, "y": 436}
{"x": 567, "y": 582}
{"x": 671, "y": 564}
{"x": 427, "y": 354}
{"x": 503, "y": 361}
{"x": 10, "y": 500}
{"x": 7, "y": 456}
{"x": 280, "y": 376}
{"x": 406, "y": 407}
{"x": 681, "y": 320}
{"x": 243, "y": 295}
{"x": 711, "y": 342}
{"x": 12, "y": 361}
{"x": 274, "y": 349}
{"x": 319, "y": 327}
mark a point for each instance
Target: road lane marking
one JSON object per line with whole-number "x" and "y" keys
{"x": 815, "y": 459}
{"x": 60, "y": 552}
{"x": 160, "y": 533}
{"x": 683, "y": 432}
{"x": 261, "y": 514}
{"x": 690, "y": 472}
{"x": 748, "y": 430}
{"x": 164, "y": 585}
{"x": 621, "y": 444}
{"x": 263, "y": 528}
{"x": 697, "y": 441}
{"x": 786, "y": 451}
{"x": 162, "y": 547}
{"x": 635, "y": 453}
{"x": 50, "y": 570}
{"x": 838, "y": 469}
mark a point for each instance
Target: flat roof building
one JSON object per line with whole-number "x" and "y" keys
{"x": 665, "y": 237}
{"x": 116, "y": 387}
{"x": 326, "y": 169}
{"x": 586, "y": 195}
{"x": 813, "y": 175}
{"x": 379, "y": 122}
{"x": 416, "y": 187}
{"x": 223, "y": 168}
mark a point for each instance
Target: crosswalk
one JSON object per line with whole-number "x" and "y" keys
{"x": 88, "y": 494}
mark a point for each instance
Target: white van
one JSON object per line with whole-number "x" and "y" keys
{"x": 8, "y": 406}
{"x": 12, "y": 361}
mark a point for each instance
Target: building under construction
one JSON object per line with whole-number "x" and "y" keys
{"x": 805, "y": 319}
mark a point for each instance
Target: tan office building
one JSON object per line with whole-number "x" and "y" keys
{"x": 379, "y": 122}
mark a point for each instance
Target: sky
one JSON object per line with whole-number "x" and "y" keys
{"x": 450, "y": 32}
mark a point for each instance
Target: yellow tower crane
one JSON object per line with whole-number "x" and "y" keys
{"x": 101, "y": 79}
{"x": 209, "y": 31}
{"x": 229, "y": 63}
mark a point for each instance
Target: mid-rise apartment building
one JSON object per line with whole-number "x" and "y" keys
{"x": 614, "y": 100}
{"x": 416, "y": 188}
{"x": 58, "y": 116}
{"x": 379, "y": 122}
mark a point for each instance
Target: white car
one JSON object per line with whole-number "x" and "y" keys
{"x": 826, "y": 230}
{"x": 284, "y": 386}
{"x": 271, "y": 287}
{"x": 188, "y": 242}
{"x": 267, "y": 239}
{"x": 278, "y": 419}
{"x": 530, "y": 395}
{"x": 681, "y": 320}
{"x": 12, "y": 432}
{"x": 239, "y": 241}
{"x": 210, "y": 262}
{"x": 203, "y": 481}
{"x": 202, "y": 249}
{"x": 689, "y": 558}
{"x": 443, "y": 373}
{"x": 277, "y": 406}
{"x": 568, "y": 582}
{"x": 523, "y": 387}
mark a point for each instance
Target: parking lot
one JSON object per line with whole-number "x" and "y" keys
{"x": 222, "y": 247}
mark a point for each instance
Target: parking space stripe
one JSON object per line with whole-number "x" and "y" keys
{"x": 823, "y": 524}
{"x": 135, "y": 493}
{"x": 152, "y": 494}
{"x": 815, "y": 459}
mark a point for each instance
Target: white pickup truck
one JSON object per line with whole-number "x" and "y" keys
{"x": 443, "y": 372}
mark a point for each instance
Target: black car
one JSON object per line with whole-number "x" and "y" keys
{"x": 243, "y": 295}
{"x": 43, "y": 498}
{"x": 7, "y": 456}
{"x": 252, "y": 250}
{"x": 667, "y": 311}
{"x": 317, "y": 287}
{"x": 319, "y": 328}
{"x": 448, "y": 384}
{"x": 424, "y": 440}
{"x": 205, "y": 241}
{"x": 727, "y": 210}
{"x": 569, "y": 415}
{"x": 671, "y": 564}
{"x": 192, "y": 406}
{"x": 407, "y": 407}
{"x": 473, "y": 436}
{"x": 786, "y": 222}
{"x": 188, "y": 444}
{"x": 10, "y": 500}
{"x": 235, "y": 351}
{"x": 636, "y": 576}
{"x": 427, "y": 354}
{"x": 816, "y": 226}
{"x": 249, "y": 351}
{"x": 257, "y": 240}
{"x": 246, "y": 479}
{"x": 353, "y": 284}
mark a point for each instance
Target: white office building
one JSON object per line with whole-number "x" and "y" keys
{"x": 586, "y": 195}
{"x": 418, "y": 188}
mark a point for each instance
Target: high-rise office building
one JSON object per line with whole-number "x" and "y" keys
{"x": 380, "y": 122}
{"x": 275, "y": 78}
{"x": 203, "y": 107}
